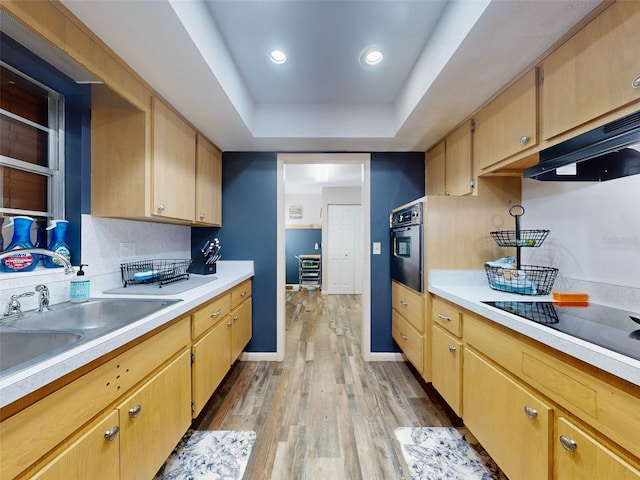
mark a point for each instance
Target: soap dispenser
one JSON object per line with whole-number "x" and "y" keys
{"x": 57, "y": 244}
{"x": 80, "y": 287}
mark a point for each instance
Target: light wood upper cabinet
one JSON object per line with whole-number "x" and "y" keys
{"x": 208, "y": 183}
{"x": 435, "y": 179}
{"x": 458, "y": 166}
{"x": 509, "y": 124}
{"x": 448, "y": 167}
{"x": 173, "y": 166}
{"x": 593, "y": 72}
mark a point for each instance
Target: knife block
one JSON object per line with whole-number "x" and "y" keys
{"x": 198, "y": 266}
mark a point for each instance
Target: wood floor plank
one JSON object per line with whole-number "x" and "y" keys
{"x": 324, "y": 413}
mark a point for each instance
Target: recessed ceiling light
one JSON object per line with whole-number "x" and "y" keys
{"x": 371, "y": 56}
{"x": 278, "y": 56}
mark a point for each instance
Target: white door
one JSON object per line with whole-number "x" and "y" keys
{"x": 344, "y": 228}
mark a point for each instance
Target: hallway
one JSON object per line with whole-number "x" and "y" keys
{"x": 323, "y": 412}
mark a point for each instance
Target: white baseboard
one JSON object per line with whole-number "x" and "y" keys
{"x": 273, "y": 357}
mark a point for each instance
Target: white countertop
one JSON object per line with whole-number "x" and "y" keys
{"x": 14, "y": 386}
{"x": 468, "y": 289}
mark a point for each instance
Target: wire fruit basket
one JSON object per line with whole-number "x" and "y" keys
{"x": 518, "y": 278}
{"x": 159, "y": 271}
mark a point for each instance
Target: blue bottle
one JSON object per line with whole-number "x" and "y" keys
{"x": 57, "y": 243}
{"x": 20, "y": 262}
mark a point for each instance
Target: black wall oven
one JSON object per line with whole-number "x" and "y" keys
{"x": 406, "y": 246}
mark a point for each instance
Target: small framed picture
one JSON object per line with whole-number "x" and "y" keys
{"x": 295, "y": 211}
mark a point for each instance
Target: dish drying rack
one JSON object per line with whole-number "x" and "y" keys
{"x": 522, "y": 279}
{"x": 158, "y": 271}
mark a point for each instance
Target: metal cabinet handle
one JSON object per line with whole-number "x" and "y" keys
{"x": 530, "y": 412}
{"x": 202, "y": 216}
{"x": 135, "y": 411}
{"x": 235, "y": 318}
{"x": 229, "y": 324}
{"x": 403, "y": 336}
{"x": 403, "y": 303}
{"x": 161, "y": 207}
{"x": 524, "y": 139}
{"x": 443, "y": 317}
{"x": 635, "y": 83}
{"x": 216, "y": 313}
{"x": 567, "y": 443}
{"x": 243, "y": 294}
{"x": 112, "y": 433}
{"x": 452, "y": 349}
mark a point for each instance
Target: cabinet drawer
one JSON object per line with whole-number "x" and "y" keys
{"x": 210, "y": 314}
{"x": 240, "y": 293}
{"x": 446, "y": 359}
{"x": 510, "y": 422}
{"x": 605, "y": 402}
{"x": 447, "y": 315}
{"x": 409, "y": 304}
{"x": 578, "y": 455}
{"x": 408, "y": 339}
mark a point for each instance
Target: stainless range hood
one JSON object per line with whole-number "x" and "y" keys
{"x": 607, "y": 152}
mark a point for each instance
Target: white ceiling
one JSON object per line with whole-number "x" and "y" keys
{"x": 443, "y": 59}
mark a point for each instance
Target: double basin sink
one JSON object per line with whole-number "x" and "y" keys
{"x": 35, "y": 337}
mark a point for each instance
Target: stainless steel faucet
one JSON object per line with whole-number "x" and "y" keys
{"x": 13, "y": 305}
{"x": 43, "y": 298}
{"x": 68, "y": 268}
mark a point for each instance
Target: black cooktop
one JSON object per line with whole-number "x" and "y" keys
{"x": 612, "y": 328}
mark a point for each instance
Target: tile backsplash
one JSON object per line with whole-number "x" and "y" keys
{"x": 106, "y": 243}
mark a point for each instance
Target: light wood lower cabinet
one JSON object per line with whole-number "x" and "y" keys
{"x": 408, "y": 323}
{"x": 508, "y": 420}
{"x": 410, "y": 341}
{"x": 240, "y": 329}
{"x": 446, "y": 360}
{"x": 154, "y": 418}
{"x": 90, "y": 455}
{"x": 210, "y": 363}
{"x": 579, "y": 455}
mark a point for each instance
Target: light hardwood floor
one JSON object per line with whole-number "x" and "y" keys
{"x": 323, "y": 413}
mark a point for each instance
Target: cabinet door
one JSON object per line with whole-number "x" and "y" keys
{"x": 579, "y": 455}
{"x": 210, "y": 363}
{"x": 512, "y": 424}
{"x": 458, "y": 168}
{"x": 173, "y": 169}
{"x": 208, "y": 183}
{"x": 94, "y": 454}
{"x": 241, "y": 329}
{"x": 446, "y": 360}
{"x": 592, "y": 73}
{"x": 154, "y": 418}
{"x": 509, "y": 124}
{"x": 435, "y": 170}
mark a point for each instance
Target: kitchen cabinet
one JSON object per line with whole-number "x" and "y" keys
{"x": 594, "y": 72}
{"x": 220, "y": 330}
{"x": 28, "y": 438}
{"x": 508, "y": 125}
{"x": 579, "y": 455}
{"x": 508, "y": 420}
{"x": 446, "y": 364}
{"x": 435, "y": 170}
{"x": 90, "y": 455}
{"x": 208, "y": 183}
{"x": 153, "y": 419}
{"x": 407, "y": 323}
{"x": 173, "y": 166}
{"x": 448, "y": 167}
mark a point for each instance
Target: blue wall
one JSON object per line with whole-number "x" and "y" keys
{"x": 249, "y": 190}
{"x": 77, "y": 133}
{"x": 300, "y": 241}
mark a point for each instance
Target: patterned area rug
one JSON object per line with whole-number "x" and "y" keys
{"x": 209, "y": 455}
{"x": 439, "y": 453}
